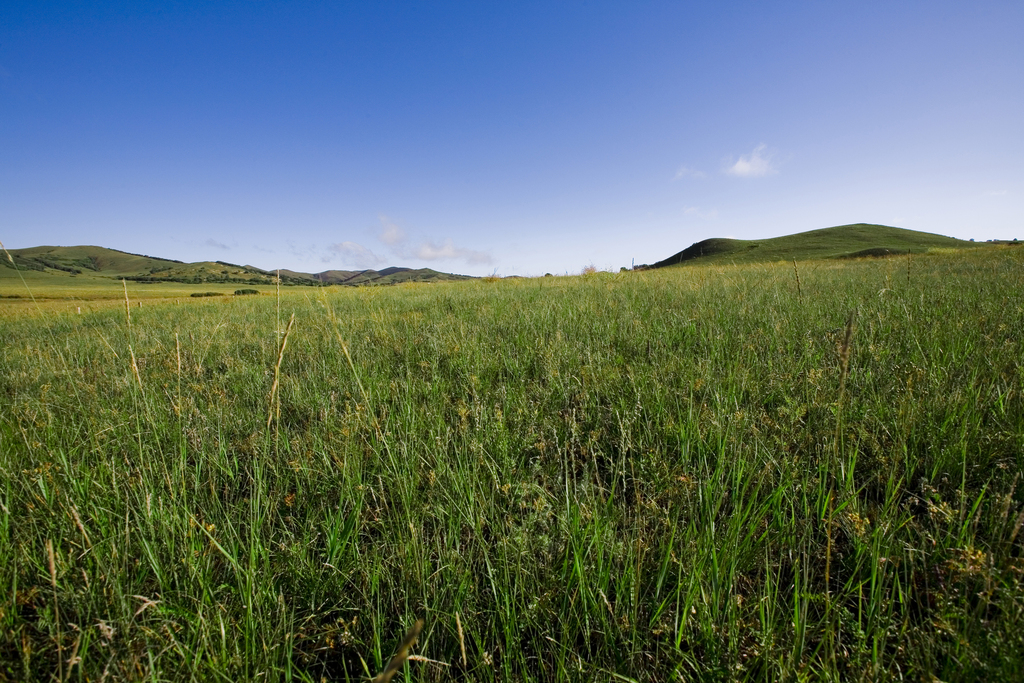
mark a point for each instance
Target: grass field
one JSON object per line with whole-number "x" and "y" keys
{"x": 679, "y": 474}
{"x": 64, "y": 291}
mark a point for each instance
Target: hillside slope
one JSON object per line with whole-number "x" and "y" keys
{"x": 99, "y": 262}
{"x": 843, "y": 241}
{"x": 77, "y": 260}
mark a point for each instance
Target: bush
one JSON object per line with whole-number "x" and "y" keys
{"x": 198, "y": 294}
{"x": 245, "y": 292}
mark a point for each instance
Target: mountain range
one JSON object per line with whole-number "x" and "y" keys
{"x": 74, "y": 267}
{"x": 112, "y": 263}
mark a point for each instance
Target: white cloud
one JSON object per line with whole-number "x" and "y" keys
{"x": 686, "y": 172}
{"x": 428, "y": 251}
{"x": 757, "y": 164}
{"x": 354, "y": 254}
{"x": 397, "y": 243}
{"x": 215, "y": 244}
{"x": 706, "y": 214}
{"x": 390, "y": 234}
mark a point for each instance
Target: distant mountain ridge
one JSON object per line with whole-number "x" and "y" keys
{"x": 113, "y": 263}
{"x": 858, "y": 240}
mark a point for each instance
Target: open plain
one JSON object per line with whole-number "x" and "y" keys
{"x": 693, "y": 473}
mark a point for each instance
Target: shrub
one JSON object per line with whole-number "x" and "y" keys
{"x": 245, "y": 292}
{"x": 199, "y": 294}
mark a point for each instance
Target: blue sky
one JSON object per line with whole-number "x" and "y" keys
{"x": 520, "y": 138}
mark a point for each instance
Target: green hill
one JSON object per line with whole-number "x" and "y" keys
{"x": 860, "y": 240}
{"x": 84, "y": 263}
{"x": 83, "y": 259}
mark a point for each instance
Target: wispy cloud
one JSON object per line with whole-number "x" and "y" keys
{"x": 390, "y": 234}
{"x": 757, "y": 164}
{"x": 215, "y": 244}
{"x": 354, "y": 254}
{"x": 397, "y": 242}
{"x": 995, "y": 193}
{"x": 706, "y": 214}
{"x": 303, "y": 253}
{"x": 687, "y": 172}
{"x": 447, "y": 251}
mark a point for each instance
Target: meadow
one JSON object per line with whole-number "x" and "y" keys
{"x": 60, "y": 291}
{"x": 694, "y": 473}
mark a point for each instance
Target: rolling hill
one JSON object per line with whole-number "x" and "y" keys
{"x": 91, "y": 262}
{"x": 860, "y": 240}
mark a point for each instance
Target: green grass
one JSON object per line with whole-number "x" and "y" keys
{"x": 642, "y": 476}
{"x": 89, "y": 286}
{"x": 844, "y": 241}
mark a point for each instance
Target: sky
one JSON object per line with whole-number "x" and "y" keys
{"x": 513, "y": 138}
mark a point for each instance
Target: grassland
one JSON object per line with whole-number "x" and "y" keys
{"x": 680, "y": 474}
{"x": 69, "y": 293}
